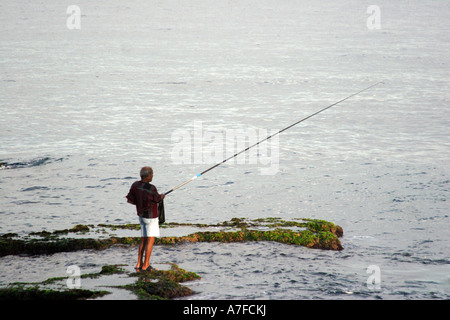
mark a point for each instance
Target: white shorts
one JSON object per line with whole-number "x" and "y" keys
{"x": 149, "y": 227}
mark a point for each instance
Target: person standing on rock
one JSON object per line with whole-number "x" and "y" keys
{"x": 145, "y": 197}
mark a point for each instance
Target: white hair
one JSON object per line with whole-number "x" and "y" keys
{"x": 145, "y": 172}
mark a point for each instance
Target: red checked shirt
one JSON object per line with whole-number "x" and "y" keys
{"x": 145, "y": 197}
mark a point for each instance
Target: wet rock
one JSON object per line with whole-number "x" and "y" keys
{"x": 150, "y": 285}
{"x": 311, "y": 233}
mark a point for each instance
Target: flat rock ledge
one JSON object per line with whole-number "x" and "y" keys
{"x": 147, "y": 285}
{"x": 310, "y": 233}
{"x": 155, "y": 284}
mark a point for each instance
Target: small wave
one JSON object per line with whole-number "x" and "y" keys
{"x": 173, "y": 82}
{"x": 28, "y": 164}
{"x": 20, "y": 202}
{"x": 35, "y": 188}
{"x": 125, "y": 178}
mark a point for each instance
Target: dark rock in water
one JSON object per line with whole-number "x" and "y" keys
{"x": 28, "y": 164}
{"x": 164, "y": 284}
{"x": 157, "y": 284}
{"x": 311, "y": 233}
{"x": 36, "y": 293}
{"x": 150, "y": 285}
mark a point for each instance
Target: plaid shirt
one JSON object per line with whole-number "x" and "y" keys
{"x": 145, "y": 197}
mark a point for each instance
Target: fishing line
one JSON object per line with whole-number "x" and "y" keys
{"x": 270, "y": 136}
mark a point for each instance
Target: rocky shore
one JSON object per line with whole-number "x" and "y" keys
{"x": 147, "y": 285}
{"x": 157, "y": 284}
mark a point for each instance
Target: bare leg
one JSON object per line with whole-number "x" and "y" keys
{"x": 141, "y": 252}
{"x": 148, "y": 251}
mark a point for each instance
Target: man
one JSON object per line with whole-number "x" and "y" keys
{"x": 145, "y": 197}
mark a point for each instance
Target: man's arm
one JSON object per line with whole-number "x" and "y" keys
{"x": 156, "y": 197}
{"x": 130, "y": 196}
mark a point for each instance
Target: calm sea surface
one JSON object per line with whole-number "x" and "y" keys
{"x": 83, "y": 109}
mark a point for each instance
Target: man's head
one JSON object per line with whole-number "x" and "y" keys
{"x": 146, "y": 174}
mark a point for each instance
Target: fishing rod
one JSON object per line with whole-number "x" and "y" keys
{"x": 270, "y": 136}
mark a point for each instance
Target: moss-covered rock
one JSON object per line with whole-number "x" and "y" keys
{"x": 311, "y": 233}
{"x": 318, "y": 234}
{"x": 21, "y": 292}
{"x": 37, "y": 246}
{"x": 112, "y": 269}
{"x": 162, "y": 284}
{"x": 46, "y": 234}
{"x": 155, "y": 284}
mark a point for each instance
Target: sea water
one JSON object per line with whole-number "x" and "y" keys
{"x": 91, "y": 93}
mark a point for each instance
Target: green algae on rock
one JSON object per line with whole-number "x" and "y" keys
{"x": 112, "y": 269}
{"x": 311, "y": 233}
{"x": 22, "y": 292}
{"x": 37, "y": 246}
{"x": 318, "y": 240}
{"x": 162, "y": 284}
{"x": 150, "y": 285}
{"x": 47, "y": 234}
{"x": 34, "y": 293}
